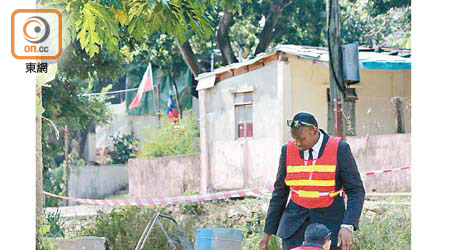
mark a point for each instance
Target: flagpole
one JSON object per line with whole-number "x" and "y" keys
{"x": 154, "y": 98}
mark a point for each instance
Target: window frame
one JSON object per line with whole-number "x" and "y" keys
{"x": 243, "y": 104}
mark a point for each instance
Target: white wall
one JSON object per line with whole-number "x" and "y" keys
{"x": 237, "y": 162}
{"x": 97, "y": 181}
{"x": 122, "y": 123}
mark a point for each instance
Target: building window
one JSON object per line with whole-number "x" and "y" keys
{"x": 243, "y": 114}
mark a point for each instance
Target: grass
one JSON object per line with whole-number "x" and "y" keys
{"x": 386, "y": 228}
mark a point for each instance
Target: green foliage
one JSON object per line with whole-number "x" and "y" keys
{"x": 386, "y": 228}
{"x": 389, "y": 230}
{"x": 56, "y": 224}
{"x": 64, "y": 103}
{"x": 54, "y": 183}
{"x": 54, "y": 177}
{"x": 358, "y": 24}
{"x": 377, "y": 7}
{"x": 172, "y": 138}
{"x": 151, "y": 30}
{"x": 95, "y": 24}
{"x": 125, "y": 147}
{"x": 42, "y": 242}
{"x": 123, "y": 227}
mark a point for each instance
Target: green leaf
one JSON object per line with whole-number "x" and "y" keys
{"x": 150, "y": 2}
{"x": 88, "y": 36}
{"x": 107, "y": 88}
{"x": 39, "y": 109}
{"x": 107, "y": 26}
{"x": 71, "y": 27}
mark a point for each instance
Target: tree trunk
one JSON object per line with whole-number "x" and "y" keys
{"x": 39, "y": 166}
{"x": 189, "y": 58}
{"x": 267, "y": 34}
{"x": 223, "y": 40}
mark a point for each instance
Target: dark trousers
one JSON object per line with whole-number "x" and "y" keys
{"x": 297, "y": 238}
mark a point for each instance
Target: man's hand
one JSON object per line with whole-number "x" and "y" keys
{"x": 345, "y": 239}
{"x": 264, "y": 242}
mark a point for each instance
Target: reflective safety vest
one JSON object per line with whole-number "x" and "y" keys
{"x": 312, "y": 185}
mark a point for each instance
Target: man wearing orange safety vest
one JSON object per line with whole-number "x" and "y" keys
{"x": 313, "y": 171}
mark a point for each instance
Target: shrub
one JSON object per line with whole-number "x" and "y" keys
{"x": 125, "y": 146}
{"x": 389, "y": 230}
{"x": 56, "y": 224}
{"x": 54, "y": 183}
{"x": 124, "y": 226}
{"x": 42, "y": 242}
{"x": 172, "y": 139}
{"x": 53, "y": 180}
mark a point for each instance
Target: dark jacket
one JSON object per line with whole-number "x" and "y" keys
{"x": 285, "y": 220}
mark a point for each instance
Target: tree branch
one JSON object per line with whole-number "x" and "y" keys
{"x": 189, "y": 58}
{"x": 223, "y": 40}
{"x": 267, "y": 36}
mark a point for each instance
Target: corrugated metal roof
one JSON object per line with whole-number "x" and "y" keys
{"x": 369, "y": 60}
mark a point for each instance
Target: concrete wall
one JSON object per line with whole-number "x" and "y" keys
{"x": 383, "y": 152}
{"x": 309, "y": 90}
{"x": 122, "y": 123}
{"x": 164, "y": 176}
{"x": 97, "y": 181}
{"x": 374, "y": 109}
{"x": 235, "y": 163}
{"x": 88, "y": 243}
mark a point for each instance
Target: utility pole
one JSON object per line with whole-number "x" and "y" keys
{"x": 337, "y": 87}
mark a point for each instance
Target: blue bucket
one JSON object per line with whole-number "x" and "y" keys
{"x": 218, "y": 239}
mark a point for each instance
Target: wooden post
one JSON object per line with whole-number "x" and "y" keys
{"x": 39, "y": 165}
{"x": 336, "y": 70}
{"x": 66, "y": 159}
{"x": 398, "y": 107}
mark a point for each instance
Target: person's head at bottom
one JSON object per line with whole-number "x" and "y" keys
{"x": 317, "y": 236}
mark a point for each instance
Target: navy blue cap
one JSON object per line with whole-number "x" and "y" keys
{"x": 317, "y": 233}
{"x": 302, "y": 119}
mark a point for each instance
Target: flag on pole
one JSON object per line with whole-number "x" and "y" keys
{"x": 172, "y": 109}
{"x": 146, "y": 85}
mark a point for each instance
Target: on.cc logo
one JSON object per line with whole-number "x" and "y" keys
{"x": 41, "y": 28}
